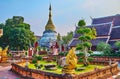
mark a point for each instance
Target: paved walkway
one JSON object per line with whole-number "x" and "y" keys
{"x": 6, "y": 74}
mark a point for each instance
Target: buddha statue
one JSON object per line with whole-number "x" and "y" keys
{"x": 71, "y": 62}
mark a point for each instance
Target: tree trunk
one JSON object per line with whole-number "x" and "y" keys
{"x": 86, "y": 63}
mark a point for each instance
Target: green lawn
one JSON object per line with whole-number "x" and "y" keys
{"x": 58, "y": 71}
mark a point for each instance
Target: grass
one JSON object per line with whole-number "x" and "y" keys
{"x": 59, "y": 69}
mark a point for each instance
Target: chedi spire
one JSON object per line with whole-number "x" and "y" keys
{"x": 50, "y": 25}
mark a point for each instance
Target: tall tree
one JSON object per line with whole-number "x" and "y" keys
{"x": 86, "y": 35}
{"x": 17, "y": 34}
{"x": 66, "y": 39}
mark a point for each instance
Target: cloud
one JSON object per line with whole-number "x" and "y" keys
{"x": 108, "y": 7}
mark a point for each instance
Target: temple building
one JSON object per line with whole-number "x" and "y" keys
{"x": 107, "y": 28}
{"x": 49, "y": 35}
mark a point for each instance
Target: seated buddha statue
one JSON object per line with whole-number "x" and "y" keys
{"x": 71, "y": 62}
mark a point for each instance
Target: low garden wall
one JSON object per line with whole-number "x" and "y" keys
{"x": 103, "y": 73}
{"x": 106, "y": 58}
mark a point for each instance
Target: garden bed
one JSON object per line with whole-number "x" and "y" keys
{"x": 59, "y": 69}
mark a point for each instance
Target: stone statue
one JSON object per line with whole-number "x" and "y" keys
{"x": 71, "y": 62}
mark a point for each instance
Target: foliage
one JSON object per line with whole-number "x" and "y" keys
{"x": 26, "y": 53}
{"x": 66, "y": 39}
{"x": 38, "y": 66}
{"x": 90, "y": 59}
{"x": 117, "y": 44}
{"x": 80, "y": 60}
{"x": 63, "y": 53}
{"x": 34, "y": 61}
{"x": 58, "y": 37}
{"x": 39, "y": 57}
{"x": 59, "y": 68}
{"x": 81, "y": 54}
{"x": 105, "y": 48}
{"x": 9, "y": 55}
{"x": 17, "y": 34}
{"x": 86, "y": 35}
{"x": 39, "y": 48}
{"x": 34, "y": 56}
{"x": 81, "y": 23}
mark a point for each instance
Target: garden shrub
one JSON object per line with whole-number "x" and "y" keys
{"x": 80, "y": 60}
{"x": 90, "y": 59}
{"x": 34, "y": 61}
{"x": 80, "y": 54}
{"x": 61, "y": 54}
{"x": 39, "y": 57}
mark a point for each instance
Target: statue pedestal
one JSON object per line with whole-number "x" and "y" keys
{"x": 4, "y": 59}
{"x": 65, "y": 70}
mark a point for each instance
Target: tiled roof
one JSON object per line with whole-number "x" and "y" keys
{"x": 74, "y": 42}
{"x": 98, "y": 40}
{"x": 112, "y": 43}
{"x": 102, "y": 30}
{"x": 115, "y": 34}
{"x": 105, "y": 26}
{"x": 115, "y": 18}
{"x": 76, "y": 35}
{"x": 94, "y": 42}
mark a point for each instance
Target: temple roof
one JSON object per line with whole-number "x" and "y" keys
{"x": 74, "y": 42}
{"x": 107, "y": 28}
{"x": 115, "y": 19}
{"x": 94, "y": 42}
{"x": 112, "y": 43}
{"x": 102, "y": 30}
{"x": 50, "y": 25}
{"x": 98, "y": 40}
{"x": 115, "y": 34}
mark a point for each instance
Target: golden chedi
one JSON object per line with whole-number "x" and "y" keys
{"x": 49, "y": 36}
{"x": 71, "y": 62}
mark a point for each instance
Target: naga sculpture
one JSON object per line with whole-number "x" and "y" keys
{"x": 3, "y": 54}
{"x": 71, "y": 62}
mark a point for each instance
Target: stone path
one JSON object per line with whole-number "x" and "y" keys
{"x": 6, "y": 74}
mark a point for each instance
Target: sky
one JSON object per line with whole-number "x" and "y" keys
{"x": 65, "y": 13}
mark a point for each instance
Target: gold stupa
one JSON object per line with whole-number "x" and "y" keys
{"x": 50, "y": 25}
